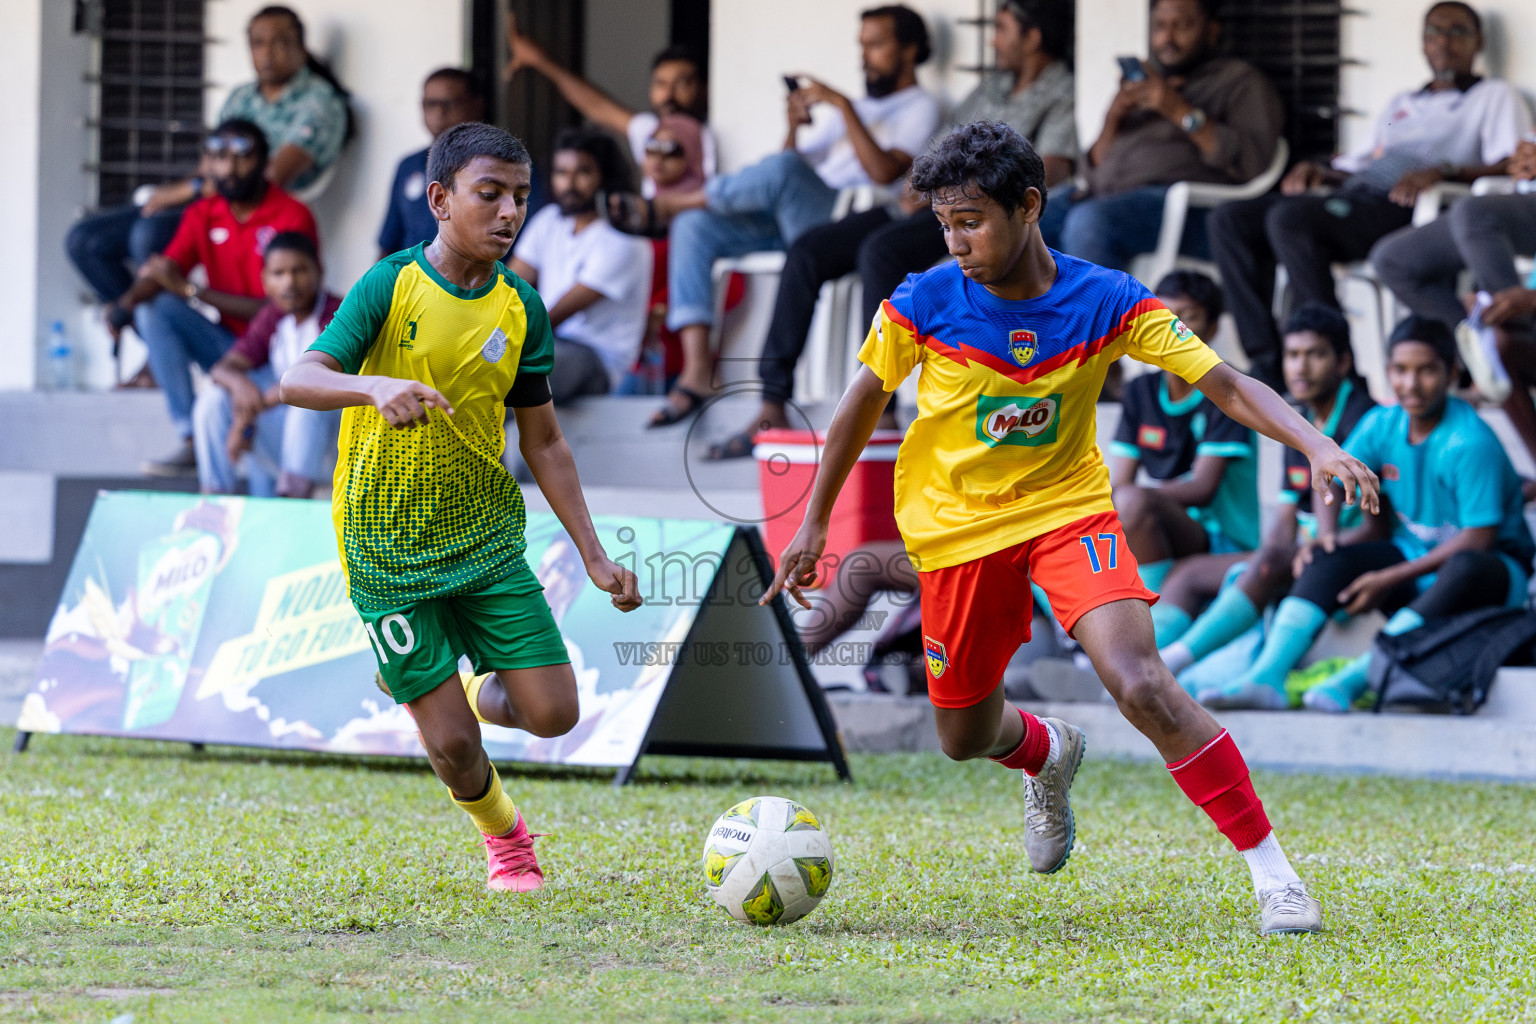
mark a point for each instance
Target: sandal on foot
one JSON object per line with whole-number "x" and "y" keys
{"x": 737, "y": 446}
{"x": 669, "y": 414}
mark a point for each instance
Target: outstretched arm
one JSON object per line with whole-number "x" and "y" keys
{"x": 592, "y": 102}
{"x": 317, "y": 381}
{"x": 548, "y": 455}
{"x": 852, "y": 425}
{"x": 1254, "y": 405}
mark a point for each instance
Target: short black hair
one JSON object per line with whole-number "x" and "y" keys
{"x": 681, "y": 52}
{"x": 460, "y": 144}
{"x": 470, "y": 83}
{"x": 1210, "y": 8}
{"x": 292, "y": 241}
{"x": 612, "y": 164}
{"x": 279, "y": 11}
{"x": 1194, "y": 286}
{"x": 246, "y": 129}
{"x": 911, "y": 29}
{"x": 1426, "y": 331}
{"x": 1325, "y": 322}
{"x": 985, "y": 155}
{"x": 1477, "y": 21}
{"x": 1055, "y": 20}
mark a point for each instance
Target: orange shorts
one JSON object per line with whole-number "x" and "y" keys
{"x": 976, "y": 614}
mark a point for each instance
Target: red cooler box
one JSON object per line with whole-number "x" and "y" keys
{"x": 787, "y": 461}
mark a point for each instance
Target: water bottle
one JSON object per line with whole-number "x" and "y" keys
{"x": 61, "y": 360}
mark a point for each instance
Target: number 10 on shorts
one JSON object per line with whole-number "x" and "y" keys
{"x": 397, "y": 634}
{"x": 1088, "y": 542}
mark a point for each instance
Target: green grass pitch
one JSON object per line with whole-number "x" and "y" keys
{"x": 247, "y": 887}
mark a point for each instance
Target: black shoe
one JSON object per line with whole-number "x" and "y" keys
{"x": 181, "y": 462}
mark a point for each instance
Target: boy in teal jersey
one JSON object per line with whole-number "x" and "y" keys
{"x": 1319, "y": 368}
{"x": 1451, "y": 536}
{"x": 425, "y": 353}
{"x": 1203, "y": 493}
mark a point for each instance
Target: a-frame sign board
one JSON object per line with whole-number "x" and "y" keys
{"x": 227, "y": 620}
{"x": 763, "y": 701}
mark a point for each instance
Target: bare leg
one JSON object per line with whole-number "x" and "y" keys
{"x": 1118, "y": 640}
{"x": 1196, "y": 580}
{"x": 697, "y": 374}
{"x": 851, "y": 591}
{"x": 451, "y": 735}
{"x": 991, "y": 728}
{"x": 539, "y": 700}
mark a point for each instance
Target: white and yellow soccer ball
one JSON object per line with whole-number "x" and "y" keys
{"x": 767, "y": 860}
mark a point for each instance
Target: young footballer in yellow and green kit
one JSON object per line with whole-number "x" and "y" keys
{"x": 425, "y": 353}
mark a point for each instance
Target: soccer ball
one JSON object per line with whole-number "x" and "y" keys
{"x": 767, "y": 861}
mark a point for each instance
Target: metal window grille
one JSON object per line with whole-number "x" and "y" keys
{"x": 149, "y": 118}
{"x": 1296, "y": 44}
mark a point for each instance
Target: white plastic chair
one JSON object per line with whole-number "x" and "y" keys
{"x": 1151, "y": 267}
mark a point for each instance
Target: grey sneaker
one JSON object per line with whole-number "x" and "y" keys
{"x": 1049, "y": 830}
{"x": 1289, "y": 911}
{"x": 1479, "y": 348}
{"x": 181, "y": 462}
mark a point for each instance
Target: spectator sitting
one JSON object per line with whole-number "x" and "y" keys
{"x": 300, "y": 108}
{"x": 1194, "y": 117}
{"x": 1451, "y": 536}
{"x": 1456, "y": 128}
{"x": 226, "y": 235}
{"x": 678, "y": 86}
{"x": 1031, "y": 92}
{"x": 594, "y": 280}
{"x": 1320, "y": 376}
{"x": 674, "y": 155}
{"x": 449, "y": 96}
{"x": 1205, "y": 497}
{"x": 243, "y": 414}
{"x": 774, "y": 202}
{"x": 1510, "y": 317}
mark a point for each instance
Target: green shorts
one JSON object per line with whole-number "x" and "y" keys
{"x": 506, "y": 625}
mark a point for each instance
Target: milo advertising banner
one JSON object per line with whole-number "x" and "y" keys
{"x": 226, "y": 620}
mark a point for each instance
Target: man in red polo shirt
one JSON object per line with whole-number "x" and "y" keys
{"x": 225, "y": 234}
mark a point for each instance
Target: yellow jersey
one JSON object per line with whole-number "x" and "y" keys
{"x": 429, "y": 511}
{"x": 1004, "y": 446}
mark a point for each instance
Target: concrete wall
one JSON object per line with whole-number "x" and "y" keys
{"x": 20, "y": 83}
{"x": 381, "y": 50}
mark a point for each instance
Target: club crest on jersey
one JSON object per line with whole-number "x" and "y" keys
{"x": 1181, "y": 330}
{"x": 1151, "y": 437}
{"x": 1015, "y": 420}
{"x": 1301, "y": 477}
{"x": 1389, "y": 472}
{"x": 495, "y": 346}
{"x": 1022, "y": 345}
{"x": 938, "y": 658}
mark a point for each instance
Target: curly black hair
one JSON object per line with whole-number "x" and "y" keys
{"x": 987, "y": 156}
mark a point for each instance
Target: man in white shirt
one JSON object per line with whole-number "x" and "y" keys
{"x": 594, "y": 279}
{"x": 868, "y": 141}
{"x": 241, "y": 418}
{"x": 1458, "y": 127}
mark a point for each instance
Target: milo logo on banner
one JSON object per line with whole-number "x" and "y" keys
{"x": 1015, "y": 420}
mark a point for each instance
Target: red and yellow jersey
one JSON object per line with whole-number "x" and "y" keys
{"x": 1004, "y": 448}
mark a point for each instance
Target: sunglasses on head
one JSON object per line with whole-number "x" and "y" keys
{"x": 664, "y": 147}
{"x": 234, "y": 145}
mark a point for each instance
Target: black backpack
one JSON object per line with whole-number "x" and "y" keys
{"x": 1449, "y": 665}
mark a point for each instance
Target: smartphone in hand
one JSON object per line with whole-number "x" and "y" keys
{"x": 791, "y": 83}
{"x": 1131, "y": 69}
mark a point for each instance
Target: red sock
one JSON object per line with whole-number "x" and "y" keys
{"x": 1215, "y": 777}
{"x": 1032, "y": 750}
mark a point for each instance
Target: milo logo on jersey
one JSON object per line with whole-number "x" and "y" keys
{"x": 1013, "y": 419}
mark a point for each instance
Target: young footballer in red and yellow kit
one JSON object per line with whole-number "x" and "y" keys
{"x": 1000, "y": 482}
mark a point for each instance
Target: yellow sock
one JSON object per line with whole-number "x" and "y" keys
{"x": 494, "y": 813}
{"x": 472, "y": 686}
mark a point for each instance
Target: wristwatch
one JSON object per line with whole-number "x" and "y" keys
{"x": 1192, "y": 121}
